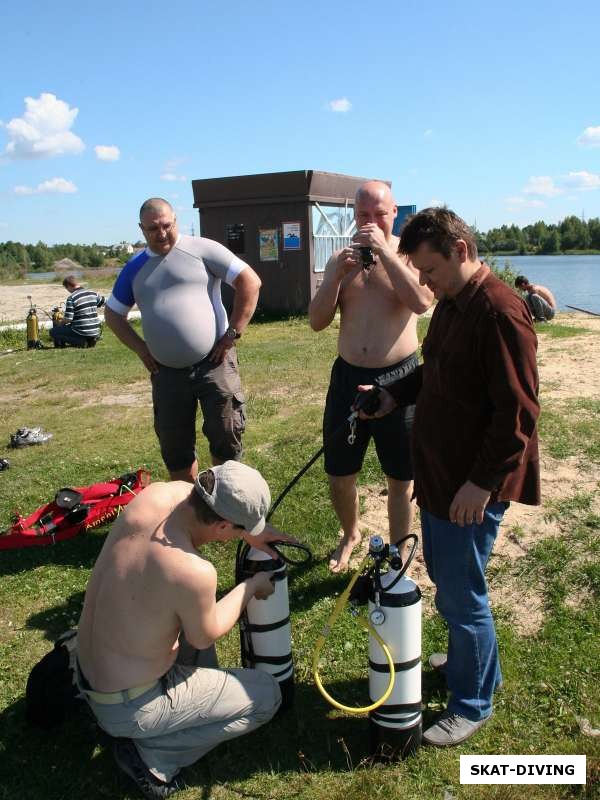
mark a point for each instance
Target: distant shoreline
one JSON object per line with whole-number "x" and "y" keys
{"x": 509, "y": 253}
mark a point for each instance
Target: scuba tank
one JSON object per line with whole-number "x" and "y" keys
{"x": 394, "y": 626}
{"x": 33, "y": 327}
{"x": 395, "y": 611}
{"x": 265, "y": 629}
{"x": 57, "y": 320}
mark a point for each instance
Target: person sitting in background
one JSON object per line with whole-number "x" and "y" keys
{"x": 80, "y": 326}
{"x": 540, "y": 300}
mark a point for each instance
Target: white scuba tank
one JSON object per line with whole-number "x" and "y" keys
{"x": 266, "y": 631}
{"x": 396, "y": 726}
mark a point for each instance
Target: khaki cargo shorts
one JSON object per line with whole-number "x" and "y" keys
{"x": 176, "y": 394}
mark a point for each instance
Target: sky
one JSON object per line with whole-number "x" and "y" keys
{"x": 492, "y": 109}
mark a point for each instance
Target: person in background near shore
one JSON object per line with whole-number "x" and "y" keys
{"x": 474, "y": 446}
{"x": 189, "y": 344}
{"x": 539, "y": 299}
{"x": 377, "y": 341}
{"x": 146, "y": 662}
{"x": 80, "y": 326}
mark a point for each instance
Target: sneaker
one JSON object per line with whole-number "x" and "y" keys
{"x": 438, "y": 661}
{"x": 129, "y": 760}
{"x": 451, "y": 729}
{"x": 26, "y": 436}
{"x": 4, "y": 464}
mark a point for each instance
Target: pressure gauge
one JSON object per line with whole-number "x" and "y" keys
{"x": 377, "y": 616}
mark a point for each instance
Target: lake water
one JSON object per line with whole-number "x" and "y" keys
{"x": 573, "y": 280}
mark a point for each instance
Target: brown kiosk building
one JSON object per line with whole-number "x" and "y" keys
{"x": 285, "y": 225}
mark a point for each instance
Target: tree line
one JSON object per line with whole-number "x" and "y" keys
{"x": 17, "y": 258}
{"x": 572, "y": 233}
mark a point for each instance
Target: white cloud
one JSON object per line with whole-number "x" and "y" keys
{"x": 107, "y": 152}
{"x": 435, "y": 203}
{"x": 590, "y": 137}
{"x": 172, "y": 163}
{"x": 542, "y": 185}
{"x": 341, "y": 105}
{"x": 3, "y": 224}
{"x": 53, "y": 186}
{"x": 428, "y": 133}
{"x": 44, "y": 130}
{"x": 581, "y": 181}
{"x": 171, "y": 176}
{"x": 523, "y": 202}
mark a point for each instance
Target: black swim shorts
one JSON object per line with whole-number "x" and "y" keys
{"x": 391, "y": 433}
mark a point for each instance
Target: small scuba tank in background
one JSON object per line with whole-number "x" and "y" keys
{"x": 265, "y": 629}
{"x": 57, "y": 315}
{"x": 395, "y": 728}
{"x": 33, "y": 327}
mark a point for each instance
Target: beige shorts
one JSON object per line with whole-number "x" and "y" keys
{"x": 190, "y": 711}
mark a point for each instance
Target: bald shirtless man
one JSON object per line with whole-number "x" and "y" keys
{"x": 377, "y": 341}
{"x": 145, "y": 642}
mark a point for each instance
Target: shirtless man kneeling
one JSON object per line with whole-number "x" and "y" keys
{"x": 145, "y": 644}
{"x": 377, "y": 342}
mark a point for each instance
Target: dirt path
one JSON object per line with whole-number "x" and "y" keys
{"x": 569, "y": 368}
{"x": 14, "y": 302}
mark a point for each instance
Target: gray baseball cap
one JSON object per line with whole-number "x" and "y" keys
{"x": 240, "y": 495}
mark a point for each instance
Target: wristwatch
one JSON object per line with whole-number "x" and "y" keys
{"x": 232, "y": 333}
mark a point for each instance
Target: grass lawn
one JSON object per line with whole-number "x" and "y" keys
{"x": 97, "y": 405}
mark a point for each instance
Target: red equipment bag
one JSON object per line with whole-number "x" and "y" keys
{"x": 74, "y": 510}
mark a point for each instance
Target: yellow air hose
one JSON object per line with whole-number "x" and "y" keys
{"x": 339, "y": 606}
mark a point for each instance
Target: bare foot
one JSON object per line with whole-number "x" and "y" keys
{"x": 341, "y": 555}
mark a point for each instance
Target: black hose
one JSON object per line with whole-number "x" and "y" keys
{"x": 406, "y": 565}
{"x": 367, "y": 401}
{"x": 295, "y": 480}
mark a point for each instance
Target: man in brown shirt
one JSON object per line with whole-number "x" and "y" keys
{"x": 474, "y": 446}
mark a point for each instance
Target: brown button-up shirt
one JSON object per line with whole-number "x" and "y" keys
{"x": 477, "y": 401}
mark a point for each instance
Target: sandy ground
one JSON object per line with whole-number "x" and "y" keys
{"x": 14, "y": 303}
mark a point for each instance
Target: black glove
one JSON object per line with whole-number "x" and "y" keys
{"x": 367, "y": 401}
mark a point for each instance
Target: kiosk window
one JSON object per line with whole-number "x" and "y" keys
{"x": 236, "y": 237}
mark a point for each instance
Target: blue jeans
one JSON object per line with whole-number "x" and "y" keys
{"x": 540, "y": 309}
{"x": 456, "y": 559}
{"x": 64, "y": 333}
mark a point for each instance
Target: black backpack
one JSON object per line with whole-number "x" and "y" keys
{"x": 51, "y": 693}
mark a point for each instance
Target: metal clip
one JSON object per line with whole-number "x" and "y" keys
{"x": 352, "y": 434}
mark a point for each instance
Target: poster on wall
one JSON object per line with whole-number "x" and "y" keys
{"x": 292, "y": 239}
{"x": 268, "y": 244}
{"x": 236, "y": 237}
